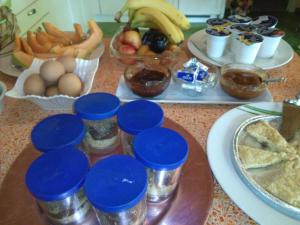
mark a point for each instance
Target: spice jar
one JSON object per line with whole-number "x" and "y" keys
{"x": 56, "y": 180}
{"x": 163, "y": 152}
{"x": 135, "y": 117}
{"x": 98, "y": 111}
{"x": 116, "y": 187}
{"x": 58, "y": 132}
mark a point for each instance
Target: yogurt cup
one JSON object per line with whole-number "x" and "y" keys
{"x": 217, "y": 40}
{"x": 272, "y": 38}
{"x": 237, "y": 29}
{"x": 237, "y": 19}
{"x": 246, "y": 47}
{"x": 265, "y": 21}
{"x": 218, "y": 22}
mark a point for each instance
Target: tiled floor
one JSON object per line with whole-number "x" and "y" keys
{"x": 289, "y": 22}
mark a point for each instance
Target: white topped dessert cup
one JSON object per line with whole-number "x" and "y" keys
{"x": 215, "y": 45}
{"x": 268, "y": 46}
{"x": 244, "y": 53}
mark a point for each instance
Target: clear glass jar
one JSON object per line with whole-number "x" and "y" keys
{"x": 161, "y": 183}
{"x": 163, "y": 152}
{"x": 136, "y": 116}
{"x": 57, "y": 186}
{"x": 58, "y": 132}
{"x": 98, "y": 111}
{"x": 116, "y": 187}
{"x": 133, "y": 216}
{"x": 74, "y": 208}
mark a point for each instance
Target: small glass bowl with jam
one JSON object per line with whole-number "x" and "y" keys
{"x": 243, "y": 81}
{"x": 148, "y": 78}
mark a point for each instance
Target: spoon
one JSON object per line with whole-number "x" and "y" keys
{"x": 274, "y": 80}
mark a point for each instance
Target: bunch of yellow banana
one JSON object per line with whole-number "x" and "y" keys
{"x": 158, "y": 14}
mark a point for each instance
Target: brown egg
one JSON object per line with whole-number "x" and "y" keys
{"x": 51, "y": 70}
{"x": 68, "y": 62}
{"x": 70, "y": 84}
{"x": 51, "y": 91}
{"x": 34, "y": 85}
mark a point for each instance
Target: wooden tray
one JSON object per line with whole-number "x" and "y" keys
{"x": 188, "y": 206}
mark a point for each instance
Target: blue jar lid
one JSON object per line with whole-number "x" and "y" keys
{"x": 160, "y": 148}
{"x": 57, "y": 175}
{"x": 139, "y": 115}
{"x": 116, "y": 183}
{"x": 97, "y": 106}
{"x": 58, "y": 132}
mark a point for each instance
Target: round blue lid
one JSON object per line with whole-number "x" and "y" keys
{"x": 160, "y": 148}
{"x": 58, "y": 132}
{"x": 56, "y": 175}
{"x": 97, "y": 106}
{"x": 139, "y": 115}
{"x": 116, "y": 183}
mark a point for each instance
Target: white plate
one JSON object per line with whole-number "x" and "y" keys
{"x": 219, "y": 148}
{"x": 197, "y": 46}
{"x": 174, "y": 94}
{"x": 8, "y": 68}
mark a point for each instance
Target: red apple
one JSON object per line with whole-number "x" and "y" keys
{"x": 132, "y": 38}
{"x": 127, "y": 49}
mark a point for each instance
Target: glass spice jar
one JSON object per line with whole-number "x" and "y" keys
{"x": 98, "y": 111}
{"x": 116, "y": 187}
{"x": 57, "y": 184}
{"x": 136, "y": 116}
{"x": 58, "y": 132}
{"x": 163, "y": 152}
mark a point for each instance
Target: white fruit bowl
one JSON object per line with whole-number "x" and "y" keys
{"x": 85, "y": 69}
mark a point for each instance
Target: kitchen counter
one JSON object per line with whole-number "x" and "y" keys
{"x": 19, "y": 117}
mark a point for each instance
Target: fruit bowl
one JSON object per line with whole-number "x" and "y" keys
{"x": 85, "y": 69}
{"x": 147, "y": 79}
{"x": 130, "y": 54}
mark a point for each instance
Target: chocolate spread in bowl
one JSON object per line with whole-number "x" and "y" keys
{"x": 148, "y": 83}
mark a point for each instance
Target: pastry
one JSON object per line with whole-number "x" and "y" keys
{"x": 268, "y": 136}
{"x": 257, "y": 158}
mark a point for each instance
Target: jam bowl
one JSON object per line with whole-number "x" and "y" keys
{"x": 147, "y": 78}
{"x": 140, "y": 50}
{"x": 243, "y": 81}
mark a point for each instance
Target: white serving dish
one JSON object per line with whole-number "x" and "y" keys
{"x": 174, "y": 94}
{"x": 197, "y": 46}
{"x": 252, "y": 177}
{"x": 8, "y": 68}
{"x": 85, "y": 69}
{"x": 219, "y": 153}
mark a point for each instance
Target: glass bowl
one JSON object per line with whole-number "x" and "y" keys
{"x": 243, "y": 81}
{"x": 147, "y": 78}
{"x": 167, "y": 57}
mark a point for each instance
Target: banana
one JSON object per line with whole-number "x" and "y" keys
{"x": 165, "y": 7}
{"x": 151, "y": 16}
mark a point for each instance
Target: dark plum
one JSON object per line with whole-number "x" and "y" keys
{"x": 156, "y": 40}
